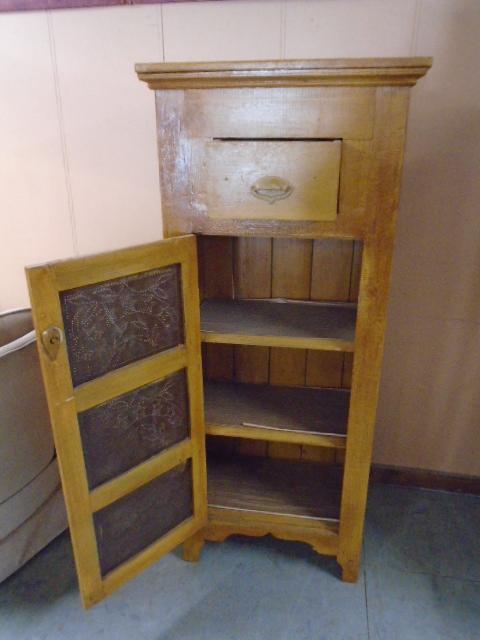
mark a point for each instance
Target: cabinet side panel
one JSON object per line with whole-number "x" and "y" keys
{"x": 174, "y": 160}
{"x": 391, "y": 114}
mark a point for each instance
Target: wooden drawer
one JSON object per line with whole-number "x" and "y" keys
{"x": 270, "y": 179}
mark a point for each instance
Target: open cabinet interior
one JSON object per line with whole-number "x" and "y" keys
{"x": 266, "y": 400}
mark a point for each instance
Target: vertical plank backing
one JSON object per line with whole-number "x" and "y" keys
{"x": 331, "y": 276}
{"x": 331, "y": 269}
{"x": 215, "y": 258}
{"x": 253, "y": 267}
{"x": 252, "y": 271}
{"x": 216, "y": 281}
{"x": 291, "y": 278}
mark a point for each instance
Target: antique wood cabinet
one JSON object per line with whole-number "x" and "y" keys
{"x": 254, "y": 331}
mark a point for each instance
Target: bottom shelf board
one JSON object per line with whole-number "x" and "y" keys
{"x": 284, "y": 487}
{"x": 297, "y": 414}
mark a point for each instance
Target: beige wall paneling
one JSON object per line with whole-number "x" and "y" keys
{"x": 222, "y": 30}
{"x": 35, "y": 219}
{"x": 109, "y": 123}
{"x": 430, "y": 394}
{"x": 349, "y": 28}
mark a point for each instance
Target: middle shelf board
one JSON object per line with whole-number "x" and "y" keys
{"x": 299, "y": 415}
{"x": 279, "y": 323}
{"x": 278, "y": 487}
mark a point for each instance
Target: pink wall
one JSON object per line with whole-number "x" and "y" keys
{"x": 78, "y": 170}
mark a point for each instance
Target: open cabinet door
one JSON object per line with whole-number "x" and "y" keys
{"x": 119, "y": 343}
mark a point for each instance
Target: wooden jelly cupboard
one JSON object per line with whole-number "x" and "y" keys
{"x": 225, "y": 380}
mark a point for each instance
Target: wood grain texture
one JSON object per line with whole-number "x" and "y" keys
{"x": 291, "y": 268}
{"x": 253, "y": 267}
{"x": 331, "y": 270}
{"x": 363, "y": 103}
{"x": 355, "y": 271}
{"x": 328, "y": 113}
{"x": 87, "y": 270}
{"x": 291, "y": 278}
{"x": 390, "y": 124}
{"x": 278, "y": 323}
{"x": 315, "y": 112}
{"x": 252, "y": 279}
{"x": 192, "y": 547}
{"x": 143, "y": 473}
{"x": 233, "y": 171}
{"x": 283, "y": 414}
{"x": 324, "y": 369}
{"x": 191, "y": 318}
{"x": 216, "y": 267}
{"x": 215, "y": 258}
{"x": 331, "y": 275}
{"x": 346, "y": 72}
{"x": 46, "y": 312}
{"x": 219, "y": 361}
{"x": 137, "y": 374}
{"x": 321, "y": 535}
{"x": 263, "y": 485}
{"x": 287, "y": 366}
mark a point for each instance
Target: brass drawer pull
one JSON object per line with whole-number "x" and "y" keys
{"x": 271, "y": 189}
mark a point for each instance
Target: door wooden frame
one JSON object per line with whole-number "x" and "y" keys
{"x": 46, "y": 282}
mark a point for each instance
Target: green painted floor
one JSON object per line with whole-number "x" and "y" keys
{"x": 420, "y": 581}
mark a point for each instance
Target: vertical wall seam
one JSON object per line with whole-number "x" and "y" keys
{"x": 416, "y": 26}
{"x": 61, "y": 126}
{"x": 283, "y": 29}
{"x": 162, "y": 30}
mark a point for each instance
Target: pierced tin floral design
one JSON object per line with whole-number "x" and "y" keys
{"x": 114, "y": 323}
{"x": 127, "y": 430}
{"x": 130, "y": 524}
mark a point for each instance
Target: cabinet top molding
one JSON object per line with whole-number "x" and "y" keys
{"x": 284, "y": 73}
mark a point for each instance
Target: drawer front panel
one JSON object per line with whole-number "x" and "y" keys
{"x": 270, "y": 180}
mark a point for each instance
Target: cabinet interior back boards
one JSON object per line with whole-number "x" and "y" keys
{"x": 224, "y": 380}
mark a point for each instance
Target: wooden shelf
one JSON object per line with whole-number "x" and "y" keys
{"x": 299, "y": 489}
{"x": 279, "y": 323}
{"x": 281, "y": 414}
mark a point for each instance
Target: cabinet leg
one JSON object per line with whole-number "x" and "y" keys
{"x": 350, "y": 571}
{"x": 192, "y": 547}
